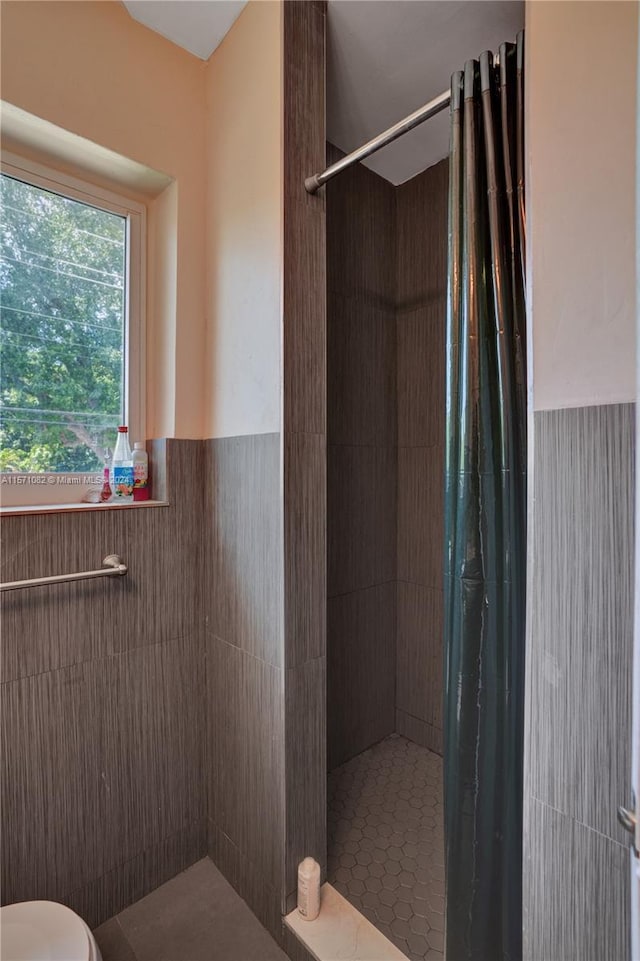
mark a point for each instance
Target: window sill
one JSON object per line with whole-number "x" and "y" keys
{"x": 80, "y": 506}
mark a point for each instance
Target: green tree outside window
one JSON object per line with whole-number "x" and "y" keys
{"x": 62, "y": 330}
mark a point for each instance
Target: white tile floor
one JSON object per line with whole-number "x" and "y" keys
{"x": 386, "y": 842}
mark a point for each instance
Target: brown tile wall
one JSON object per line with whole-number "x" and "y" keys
{"x": 304, "y": 442}
{"x": 421, "y": 318}
{"x": 143, "y": 718}
{"x": 386, "y": 313}
{"x": 576, "y": 896}
{"x": 243, "y": 632}
{"x": 266, "y": 569}
{"x": 103, "y": 700}
{"x": 361, "y": 461}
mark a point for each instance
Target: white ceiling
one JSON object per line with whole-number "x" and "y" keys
{"x": 385, "y": 58}
{"x": 388, "y": 57}
{"x": 197, "y": 25}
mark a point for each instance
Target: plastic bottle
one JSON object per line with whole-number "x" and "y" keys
{"x": 309, "y": 889}
{"x": 140, "y": 472}
{"x": 122, "y": 469}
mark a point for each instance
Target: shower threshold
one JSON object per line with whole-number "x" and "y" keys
{"x": 386, "y": 843}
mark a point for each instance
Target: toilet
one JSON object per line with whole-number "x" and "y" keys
{"x": 45, "y": 931}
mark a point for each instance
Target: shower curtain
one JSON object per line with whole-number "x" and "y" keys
{"x": 485, "y": 498}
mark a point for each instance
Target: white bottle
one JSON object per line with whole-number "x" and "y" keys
{"x": 122, "y": 469}
{"x": 309, "y": 889}
{"x": 140, "y": 472}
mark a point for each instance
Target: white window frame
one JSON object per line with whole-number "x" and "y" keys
{"x": 32, "y": 490}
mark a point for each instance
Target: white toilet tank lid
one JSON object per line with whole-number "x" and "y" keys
{"x": 42, "y": 931}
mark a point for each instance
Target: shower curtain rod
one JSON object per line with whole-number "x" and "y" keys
{"x": 439, "y": 103}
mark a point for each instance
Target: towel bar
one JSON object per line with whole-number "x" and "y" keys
{"x": 113, "y": 567}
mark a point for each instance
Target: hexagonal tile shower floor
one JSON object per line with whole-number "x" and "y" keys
{"x": 386, "y": 842}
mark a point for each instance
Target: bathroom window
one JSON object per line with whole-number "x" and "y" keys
{"x": 71, "y": 332}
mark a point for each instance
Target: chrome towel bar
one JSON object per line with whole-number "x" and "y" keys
{"x": 113, "y": 567}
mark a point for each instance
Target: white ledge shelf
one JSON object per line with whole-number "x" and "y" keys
{"x": 79, "y": 506}
{"x": 341, "y": 933}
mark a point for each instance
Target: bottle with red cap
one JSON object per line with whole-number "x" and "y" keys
{"x": 122, "y": 469}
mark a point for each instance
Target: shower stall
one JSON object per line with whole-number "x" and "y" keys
{"x": 426, "y": 493}
{"x": 386, "y": 316}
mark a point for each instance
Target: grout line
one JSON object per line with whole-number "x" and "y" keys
{"x": 385, "y": 447}
{"x": 575, "y": 820}
{"x": 134, "y": 857}
{"x": 359, "y": 590}
{"x": 427, "y": 587}
{"x": 309, "y": 660}
{"x": 101, "y": 657}
{"x": 367, "y": 301}
{"x": 242, "y": 650}
{"x": 437, "y": 300}
{"x": 123, "y": 933}
{"x": 421, "y": 720}
{"x": 437, "y": 446}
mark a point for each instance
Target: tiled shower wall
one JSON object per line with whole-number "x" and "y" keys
{"x": 579, "y": 658}
{"x": 244, "y": 672}
{"x": 421, "y": 311}
{"x": 361, "y": 461}
{"x": 265, "y": 600}
{"x": 386, "y": 279}
{"x": 103, "y": 700}
{"x": 304, "y": 442}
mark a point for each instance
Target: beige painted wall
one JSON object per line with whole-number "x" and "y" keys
{"x": 581, "y": 154}
{"x": 215, "y": 235}
{"x": 244, "y": 226}
{"x": 89, "y": 68}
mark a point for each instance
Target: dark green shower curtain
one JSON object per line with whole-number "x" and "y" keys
{"x": 485, "y": 512}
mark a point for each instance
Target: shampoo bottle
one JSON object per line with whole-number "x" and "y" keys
{"x": 309, "y": 889}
